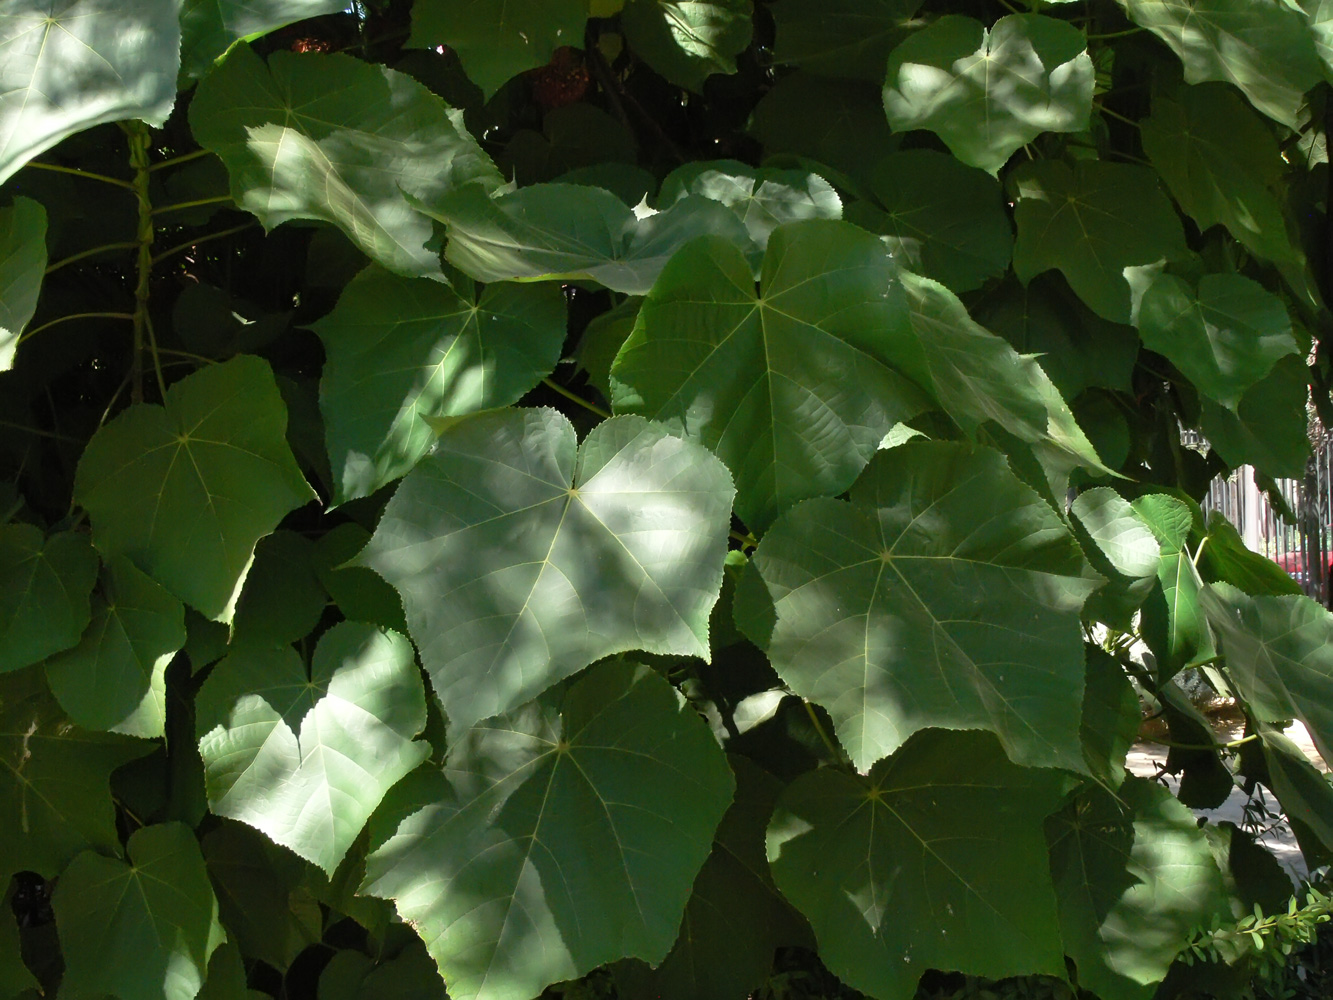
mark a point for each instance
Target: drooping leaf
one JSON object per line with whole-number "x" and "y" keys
{"x": 567, "y": 231}
{"x": 1123, "y": 549}
{"x": 793, "y": 385}
{"x": 1269, "y": 429}
{"x": 497, "y": 39}
{"x": 209, "y": 27}
{"x": 186, "y": 489}
{"x": 945, "y": 594}
{"x": 329, "y": 137}
{"x": 115, "y": 678}
{"x": 686, "y": 41}
{"x": 986, "y": 92}
{"x": 1172, "y": 624}
{"x": 142, "y": 930}
{"x": 763, "y": 197}
{"x": 283, "y": 598}
{"x": 1111, "y": 717}
{"x": 307, "y": 758}
{"x": 944, "y": 220}
{"x": 22, "y": 264}
{"x": 891, "y": 883}
{"x": 71, "y": 64}
{"x": 400, "y": 350}
{"x": 1135, "y": 877}
{"x": 557, "y": 838}
{"x": 1305, "y": 794}
{"x": 1224, "y": 337}
{"x": 1265, "y": 49}
{"x": 1226, "y": 558}
{"x": 1090, "y": 222}
{"x": 521, "y": 557}
{"x": 44, "y": 588}
{"x": 840, "y": 38}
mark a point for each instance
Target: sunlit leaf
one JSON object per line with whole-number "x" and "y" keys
{"x": 44, "y": 588}
{"x": 763, "y": 197}
{"x": 686, "y": 41}
{"x": 1122, "y": 548}
{"x": 1172, "y": 623}
{"x": 22, "y": 263}
{"x": 209, "y": 27}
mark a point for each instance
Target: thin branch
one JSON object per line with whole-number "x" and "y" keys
{"x": 202, "y": 239}
{"x": 28, "y": 334}
{"x": 177, "y": 160}
{"x": 1115, "y": 114}
{"x": 140, "y": 141}
{"x": 157, "y": 360}
{"x": 39, "y": 432}
{"x": 80, "y": 173}
{"x": 215, "y": 200}
{"x": 590, "y": 407}
{"x": 106, "y": 248}
{"x": 748, "y": 541}
{"x": 1114, "y": 34}
{"x": 819, "y": 728}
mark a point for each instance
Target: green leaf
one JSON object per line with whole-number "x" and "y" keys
{"x": 329, "y": 137}
{"x": 361, "y": 594}
{"x": 22, "y": 265}
{"x": 1172, "y": 624}
{"x": 1134, "y": 877}
{"x": 44, "y": 588}
{"x": 572, "y": 232}
{"x": 115, "y": 678}
{"x": 400, "y": 350}
{"x": 841, "y": 38}
{"x": 143, "y": 930}
{"x": 1304, "y": 792}
{"x": 1224, "y": 338}
{"x": 763, "y": 197}
{"x": 1222, "y": 164}
{"x": 686, "y": 41}
{"x": 283, "y": 599}
{"x": 1269, "y": 429}
{"x": 1090, "y": 222}
{"x": 602, "y": 340}
{"x": 73, "y": 64}
{"x": 893, "y": 886}
{"x": 944, "y": 220}
{"x": 945, "y": 594}
{"x": 1121, "y": 548}
{"x": 1226, "y": 558}
{"x": 186, "y": 489}
{"x": 496, "y": 39}
{"x": 1279, "y": 654}
{"x": 306, "y": 759}
{"x": 1265, "y": 49}
{"x": 14, "y": 975}
{"x": 557, "y": 838}
{"x": 794, "y": 385}
{"x": 521, "y": 557}
{"x": 987, "y": 92}
{"x": 209, "y": 27}
{"x": 226, "y": 977}
{"x": 1111, "y": 717}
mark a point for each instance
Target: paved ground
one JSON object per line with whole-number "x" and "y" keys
{"x": 1145, "y": 757}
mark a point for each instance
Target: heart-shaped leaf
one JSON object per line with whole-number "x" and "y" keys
{"x": 22, "y": 265}
{"x": 1269, "y": 429}
{"x": 186, "y": 489}
{"x": 840, "y": 38}
{"x": 522, "y": 558}
{"x": 987, "y": 92}
{"x": 307, "y": 758}
{"x": 559, "y": 837}
{"x": 401, "y": 350}
{"x": 687, "y": 41}
{"x": 44, "y": 588}
{"x": 945, "y": 594}
{"x": 1122, "y": 548}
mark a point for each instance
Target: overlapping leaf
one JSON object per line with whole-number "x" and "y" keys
{"x": 557, "y": 838}
{"x": 567, "y": 231}
{"x": 522, "y": 558}
{"x": 1123, "y": 549}
{"x": 898, "y": 872}
{"x": 22, "y": 264}
{"x": 142, "y": 930}
{"x": 115, "y": 678}
{"x": 44, "y": 588}
{"x": 687, "y": 41}
{"x": 307, "y": 758}
{"x": 186, "y": 489}
{"x": 329, "y": 137}
{"x": 209, "y": 27}
{"x": 400, "y": 350}
{"x": 1269, "y": 429}
{"x": 945, "y": 594}
{"x": 840, "y": 38}
{"x": 67, "y": 65}
{"x": 1112, "y": 715}
{"x": 763, "y": 197}
{"x": 1172, "y": 624}
{"x": 1304, "y": 792}
{"x": 986, "y": 92}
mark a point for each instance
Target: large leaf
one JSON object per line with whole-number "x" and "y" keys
{"x": 945, "y": 594}
{"x": 142, "y": 930}
{"x": 306, "y": 758}
{"x": 987, "y": 92}
{"x": 934, "y": 860}
{"x": 495, "y": 39}
{"x": 401, "y": 350}
{"x": 1090, "y": 222}
{"x": 1122, "y": 548}
{"x": 1270, "y": 427}
{"x": 67, "y": 65}
{"x": 687, "y": 41}
{"x": 522, "y": 558}
{"x": 44, "y": 588}
{"x": 943, "y": 219}
{"x": 22, "y": 264}
{"x": 1265, "y": 49}
{"x": 557, "y": 838}
{"x": 186, "y": 489}
{"x": 54, "y": 794}
{"x": 1135, "y": 878}
{"x": 1225, "y": 557}
{"x": 793, "y": 385}
{"x": 1304, "y": 792}
{"x": 1172, "y": 624}
{"x": 209, "y": 27}
{"x": 1224, "y": 337}
{"x": 1112, "y": 715}
{"x": 115, "y": 678}
{"x": 329, "y": 137}
{"x": 569, "y": 231}
{"x": 841, "y": 38}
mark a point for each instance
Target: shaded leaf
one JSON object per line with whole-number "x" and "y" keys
{"x": 1122, "y": 548}
{"x": 763, "y": 197}
{"x": 15, "y": 977}
{"x": 1304, "y": 792}
{"x": 686, "y": 41}
{"x": 22, "y": 265}
{"x": 209, "y": 27}
{"x": 362, "y": 595}
{"x": 44, "y": 588}
{"x": 1269, "y": 429}
{"x": 842, "y": 38}
{"x": 1226, "y": 558}
{"x": 283, "y": 599}
{"x": 1172, "y": 624}
{"x": 602, "y": 340}
{"x": 1111, "y": 717}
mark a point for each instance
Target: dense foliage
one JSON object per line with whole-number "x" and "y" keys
{"x": 511, "y": 491}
